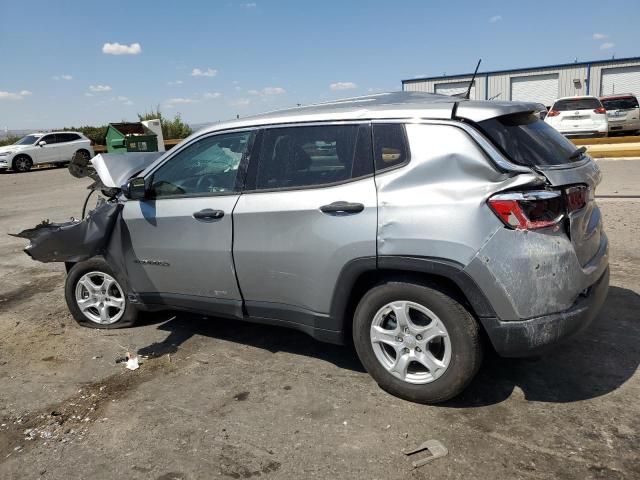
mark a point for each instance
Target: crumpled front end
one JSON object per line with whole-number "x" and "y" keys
{"x": 75, "y": 240}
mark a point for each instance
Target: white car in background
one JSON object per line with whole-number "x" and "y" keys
{"x": 578, "y": 117}
{"x": 52, "y": 147}
{"x": 623, "y": 113}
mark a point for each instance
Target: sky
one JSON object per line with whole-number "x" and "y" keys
{"x": 73, "y": 63}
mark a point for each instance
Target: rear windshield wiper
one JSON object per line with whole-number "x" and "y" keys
{"x": 578, "y": 153}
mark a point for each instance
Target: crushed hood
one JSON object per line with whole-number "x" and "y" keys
{"x": 116, "y": 168}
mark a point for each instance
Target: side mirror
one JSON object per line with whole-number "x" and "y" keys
{"x": 135, "y": 189}
{"x": 42, "y": 143}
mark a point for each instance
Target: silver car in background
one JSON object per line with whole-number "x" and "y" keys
{"x": 414, "y": 225}
{"x": 623, "y": 113}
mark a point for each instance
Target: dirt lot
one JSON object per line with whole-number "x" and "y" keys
{"x": 219, "y": 399}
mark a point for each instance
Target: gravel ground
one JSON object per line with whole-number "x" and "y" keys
{"x": 220, "y": 399}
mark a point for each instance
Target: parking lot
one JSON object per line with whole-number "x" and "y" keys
{"x": 221, "y": 399}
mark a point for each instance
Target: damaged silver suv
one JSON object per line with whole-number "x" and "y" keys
{"x": 425, "y": 227}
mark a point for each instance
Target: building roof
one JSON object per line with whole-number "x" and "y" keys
{"x": 513, "y": 70}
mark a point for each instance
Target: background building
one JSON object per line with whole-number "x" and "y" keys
{"x": 540, "y": 84}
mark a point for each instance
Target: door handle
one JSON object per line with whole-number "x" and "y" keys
{"x": 208, "y": 214}
{"x": 342, "y": 207}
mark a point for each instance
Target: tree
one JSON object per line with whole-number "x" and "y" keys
{"x": 175, "y": 128}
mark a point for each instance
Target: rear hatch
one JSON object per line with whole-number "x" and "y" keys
{"x": 621, "y": 111}
{"x": 527, "y": 141}
{"x": 577, "y": 114}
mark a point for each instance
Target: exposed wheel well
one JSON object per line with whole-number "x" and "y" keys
{"x": 82, "y": 150}
{"x": 369, "y": 279}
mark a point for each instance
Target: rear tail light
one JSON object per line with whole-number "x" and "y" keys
{"x": 535, "y": 209}
{"x": 600, "y": 110}
{"x": 529, "y": 210}
{"x": 553, "y": 113}
{"x": 577, "y": 198}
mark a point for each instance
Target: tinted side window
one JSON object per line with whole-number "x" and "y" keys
{"x": 50, "y": 139}
{"x": 389, "y": 145}
{"x": 207, "y": 166}
{"x": 66, "y": 137}
{"x": 312, "y": 156}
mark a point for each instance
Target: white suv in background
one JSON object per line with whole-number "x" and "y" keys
{"x": 623, "y": 113}
{"x": 578, "y": 117}
{"x": 37, "y": 148}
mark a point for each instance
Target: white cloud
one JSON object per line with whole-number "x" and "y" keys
{"x": 87, "y": 94}
{"x": 607, "y": 46}
{"x": 119, "y": 49}
{"x": 495, "y": 18}
{"x": 237, "y": 89}
{"x": 124, "y": 100}
{"x": 14, "y": 95}
{"x": 273, "y": 91}
{"x": 241, "y": 102}
{"x": 209, "y": 72}
{"x": 343, "y": 86}
{"x": 179, "y": 101}
{"x": 177, "y": 82}
{"x": 99, "y": 88}
{"x": 249, "y": 5}
{"x": 210, "y": 95}
{"x": 62, "y": 77}
{"x": 600, "y": 36}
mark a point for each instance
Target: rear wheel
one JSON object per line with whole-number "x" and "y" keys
{"x": 96, "y": 297}
{"x": 417, "y": 342}
{"x": 81, "y": 157}
{"x": 22, "y": 163}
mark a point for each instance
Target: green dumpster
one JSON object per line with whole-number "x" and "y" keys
{"x": 130, "y": 137}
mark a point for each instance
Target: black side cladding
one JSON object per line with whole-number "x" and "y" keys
{"x": 73, "y": 241}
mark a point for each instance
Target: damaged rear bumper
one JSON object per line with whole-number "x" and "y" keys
{"x": 537, "y": 335}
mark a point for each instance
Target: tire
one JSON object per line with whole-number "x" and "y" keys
{"x": 455, "y": 351}
{"x": 22, "y": 163}
{"x": 87, "y": 280}
{"x": 81, "y": 157}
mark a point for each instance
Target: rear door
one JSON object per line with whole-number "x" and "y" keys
{"x": 179, "y": 239}
{"x": 309, "y": 208}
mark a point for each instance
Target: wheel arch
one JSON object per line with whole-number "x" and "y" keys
{"x": 21, "y": 154}
{"x": 361, "y": 274}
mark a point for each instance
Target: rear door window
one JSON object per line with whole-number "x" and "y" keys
{"x": 307, "y": 156}
{"x": 577, "y": 104}
{"x": 620, "y": 103}
{"x": 527, "y": 140}
{"x": 389, "y": 145}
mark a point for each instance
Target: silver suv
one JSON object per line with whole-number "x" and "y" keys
{"x": 424, "y": 227}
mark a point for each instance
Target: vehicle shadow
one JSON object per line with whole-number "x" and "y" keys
{"x": 594, "y": 363}
{"x": 182, "y": 326}
{"x": 39, "y": 168}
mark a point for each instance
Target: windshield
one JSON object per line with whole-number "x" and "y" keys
{"x": 620, "y": 103}
{"x": 529, "y": 141}
{"x": 577, "y": 104}
{"x": 28, "y": 140}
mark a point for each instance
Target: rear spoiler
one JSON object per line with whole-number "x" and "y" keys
{"x": 477, "y": 110}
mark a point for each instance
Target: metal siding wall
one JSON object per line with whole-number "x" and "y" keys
{"x": 500, "y": 83}
{"x": 596, "y": 74}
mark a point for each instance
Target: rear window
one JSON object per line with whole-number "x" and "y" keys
{"x": 577, "y": 104}
{"x": 620, "y": 103}
{"x": 528, "y": 141}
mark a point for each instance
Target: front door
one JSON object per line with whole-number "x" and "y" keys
{"x": 309, "y": 208}
{"x": 46, "y": 153}
{"x": 181, "y": 236}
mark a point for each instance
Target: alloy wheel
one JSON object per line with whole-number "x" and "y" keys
{"x": 410, "y": 342}
{"x": 100, "y": 298}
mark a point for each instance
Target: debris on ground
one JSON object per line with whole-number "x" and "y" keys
{"x": 131, "y": 361}
{"x": 435, "y": 448}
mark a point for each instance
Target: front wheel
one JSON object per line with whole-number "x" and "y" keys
{"x": 22, "y": 163}
{"x": 96, "y": 298}
{"x": 417, "y": 342}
